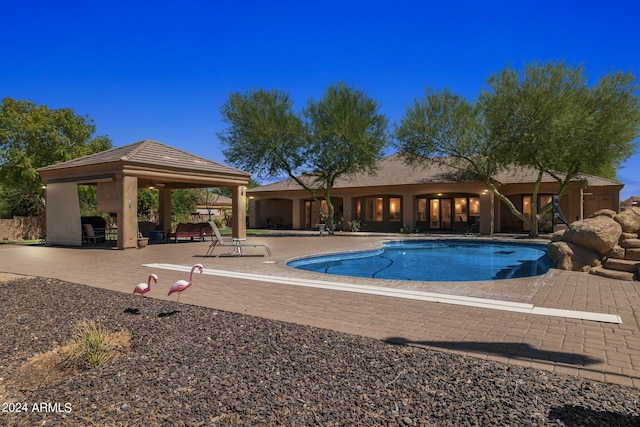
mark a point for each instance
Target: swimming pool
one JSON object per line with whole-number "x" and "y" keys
{"x": 436, "y": 260}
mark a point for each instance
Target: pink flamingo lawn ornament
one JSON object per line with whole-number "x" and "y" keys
{"x": 143, "y": 288}
{"x": 182, "y": 285}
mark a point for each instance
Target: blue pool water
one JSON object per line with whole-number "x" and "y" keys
{"x": 436, "y": 260}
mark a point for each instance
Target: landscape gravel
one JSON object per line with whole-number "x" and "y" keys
{"x": 195, "y": 366}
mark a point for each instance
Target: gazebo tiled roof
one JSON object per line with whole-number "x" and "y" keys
{"x": 149, "y": 152}
{"x": 147, "y": 159}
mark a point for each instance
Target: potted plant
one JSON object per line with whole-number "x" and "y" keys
{"x": 142, "y": 241}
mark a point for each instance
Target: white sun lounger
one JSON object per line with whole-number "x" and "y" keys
{"x": 236, "y": 244}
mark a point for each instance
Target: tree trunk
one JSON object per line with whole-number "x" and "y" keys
{"x": 509, "y": 204}
{"x": 330, "y": 212}
{"x": 534, "y": 227}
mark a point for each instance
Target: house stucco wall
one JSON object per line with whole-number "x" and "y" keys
{"x": 495, "y": 216}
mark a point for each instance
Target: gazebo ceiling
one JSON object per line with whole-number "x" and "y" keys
{"x": 153, "y": 163}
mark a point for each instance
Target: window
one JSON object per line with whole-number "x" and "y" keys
{"x": 435, "y": 213}
{"x": 445, "y": 214}
{"x": 461, "y": 209}
{"x": 311, "y": 212}
{"x": 394, "y": 209}
{"x": 474, "y": 206}
{"x": 373, "y": 209}
{"x": 545, "y": 223}
{"x": 422, "y": 210}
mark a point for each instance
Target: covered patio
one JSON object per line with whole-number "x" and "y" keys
{"x": 118, "y": 173}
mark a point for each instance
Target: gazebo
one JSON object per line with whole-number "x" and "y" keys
{"x": 118, "y": 173}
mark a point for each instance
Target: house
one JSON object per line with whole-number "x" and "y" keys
{"x": 215, "y": 209}
{"x": 429, "y": 198}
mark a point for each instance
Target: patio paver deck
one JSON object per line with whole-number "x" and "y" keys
{"x": 602, "y": 351}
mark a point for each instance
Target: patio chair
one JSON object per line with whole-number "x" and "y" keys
{"x": 236, "y": 244}
{"x": 92, "y": 235}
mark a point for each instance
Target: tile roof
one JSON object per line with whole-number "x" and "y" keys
{"x": 393, "y": 171}
{"x": 152, "y": 153}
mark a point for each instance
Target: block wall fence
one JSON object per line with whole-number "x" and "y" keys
{"x": 22, "y": 228}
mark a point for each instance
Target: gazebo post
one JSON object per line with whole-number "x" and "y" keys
{"x": 128, "y": 215}
{"x": 239, "y": 211}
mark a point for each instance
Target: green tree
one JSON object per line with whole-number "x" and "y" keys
{"x": 148, "y": 202}
{"x": 15, "y": 203}
{"x": 87, "y": 197}
{"x": 549, "y": 118}
{"x": 184, "y": 202}
{"x": 264, "y": 135}
{"x": 446, "y": 128}
{"x": 339, "y": 135}
{"x": 346, "y": 135}
{"x": 33, "y": 136}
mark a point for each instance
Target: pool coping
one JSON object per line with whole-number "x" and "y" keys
{"x": 468, "y": 301}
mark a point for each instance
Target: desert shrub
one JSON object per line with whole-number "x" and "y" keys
{"x": 94, "y": 345}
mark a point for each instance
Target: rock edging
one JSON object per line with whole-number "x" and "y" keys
{"x": 606, "y": 244}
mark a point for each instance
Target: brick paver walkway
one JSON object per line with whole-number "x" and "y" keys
{"x": 602, "y": 351}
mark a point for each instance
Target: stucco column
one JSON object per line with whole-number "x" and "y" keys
{"x": 408, "y": 211}
{"x": 128, "y": 213}
{"x": 254, "y": 213}
{"x": 297, "y": 216}
{"x": 486, "y": 212}
{"x": 239, "y": 211}
{"x": 164, "y": 202}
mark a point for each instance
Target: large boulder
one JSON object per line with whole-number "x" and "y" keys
{"x": 557, "y": 236}
{"x": 569, "y": 256}
{"x": 604, "y": 212}
{"x": 599, "y": 234}
{"x": 629, "y": 219}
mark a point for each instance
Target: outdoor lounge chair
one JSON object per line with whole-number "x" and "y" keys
{"x": 234, "y": 243}
{"x": 93, "y": 235}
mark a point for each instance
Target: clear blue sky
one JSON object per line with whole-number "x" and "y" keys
{"x": 162, "y": 69}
